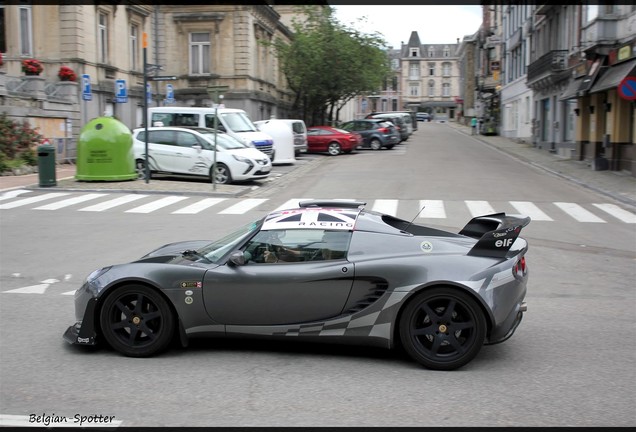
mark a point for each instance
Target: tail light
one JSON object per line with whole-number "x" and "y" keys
{"x": 383, "y": 130}
{"x": 520, "y": 267}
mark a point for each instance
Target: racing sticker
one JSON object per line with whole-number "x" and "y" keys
{"x": 191, "y": 284}
{"x": 426, "y": 246}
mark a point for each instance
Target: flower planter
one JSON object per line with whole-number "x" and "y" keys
{"x": 67, "y": 90}
{"x": 3, "y": 83}
{"x": 34, "y": 85}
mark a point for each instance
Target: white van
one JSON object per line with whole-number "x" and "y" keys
{"x": 232, "y": 121}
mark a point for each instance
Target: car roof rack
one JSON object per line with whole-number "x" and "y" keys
{"x": 331, "y": 203}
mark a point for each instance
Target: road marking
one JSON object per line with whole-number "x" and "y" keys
{"x": 387, "y": 206}
{"x": 529, "y": 209}
{"x": 13, "y": 194}
{"x": 479, "y": 208}
{"x": 578, "y": 212}
{"x": 70, "y": 201}
{"x": 432, "y": 209}
{"x": 617, "y": 212}
{"x": 155, "y": 205}
{"x": 32, "y": 200}
{"x": 243, "y": 206}
{"x": 292, "y": 203}
{"x": 199, "y": 206}
{"x": 69, "y": 292}
{"x": 76, "y": 420}
{"x": 33, "y": 289}
{"x": 113, "y": 203}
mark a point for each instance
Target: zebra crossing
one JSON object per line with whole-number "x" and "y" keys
{"x": 433, "y": 209}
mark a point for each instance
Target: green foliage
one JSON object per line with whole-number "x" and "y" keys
{"x": 17, "y": 140}
{"x": 3, "y": 163}
{"x": 327, "y": 63}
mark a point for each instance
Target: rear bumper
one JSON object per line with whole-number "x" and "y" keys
{"x": 508, "y": 327}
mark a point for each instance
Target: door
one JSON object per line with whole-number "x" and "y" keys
{"x": 162, "y": 148}
{"x": 190, "y": 157}
{"x": 314, "y": 286}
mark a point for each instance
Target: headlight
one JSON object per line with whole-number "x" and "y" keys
{"x": 241, "y": 159}
{"x": 97, "y": 273}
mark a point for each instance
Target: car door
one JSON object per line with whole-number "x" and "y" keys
{"x": 190, "y": 157}
{"x": 283, "y": 292}
{"x": 162, "y": 148}
{"x": 317, "y": 138}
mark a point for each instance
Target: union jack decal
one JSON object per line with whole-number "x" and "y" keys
{"x": 318, "y": 218}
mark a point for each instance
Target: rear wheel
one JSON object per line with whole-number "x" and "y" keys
{"x": 223, "y": 175}
{"x": 334, "y": 149}
{"x": 136, "y": 321}
{"x": 442, "y": 328}
{"x": 390, "y": 146}
{"x": 375, "y": 144}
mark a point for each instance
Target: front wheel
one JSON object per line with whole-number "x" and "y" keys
{"x": 140, "y": 167}
{"x": 136, "y": 321}
{"x": 334, "y": 149}
{"x": 375, "y": 144}
{"x": 223, "y": 175}
{"x": 442, "y": 328}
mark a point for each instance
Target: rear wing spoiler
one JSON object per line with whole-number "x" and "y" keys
{"x": 495, "y": 232}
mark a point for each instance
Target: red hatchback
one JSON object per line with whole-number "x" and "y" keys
{"x": 332, "y": 140}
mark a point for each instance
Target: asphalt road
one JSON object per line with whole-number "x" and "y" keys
{"x": 570, "y": 363}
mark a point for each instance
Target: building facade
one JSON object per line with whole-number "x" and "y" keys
{"x": 200, "y": 55}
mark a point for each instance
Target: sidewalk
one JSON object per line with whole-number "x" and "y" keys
{"x": 618, "y": 185}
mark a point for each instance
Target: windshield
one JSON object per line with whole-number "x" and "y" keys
{"x": 218, "y": 249}
{"x": 224, "y": 141}
{"x": 238, "y": 122}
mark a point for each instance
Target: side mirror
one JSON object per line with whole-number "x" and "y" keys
{"x": 238, "y": 258}
{"x": 197, "y": 147}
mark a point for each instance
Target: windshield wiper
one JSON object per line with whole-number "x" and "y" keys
{"x": 192, "y": 253}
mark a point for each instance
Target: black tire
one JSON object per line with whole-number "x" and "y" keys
{"x": 375, "y": 144}
{"x": 334, "y": 149}
{"x": 140, "y": 167}
{"x": 390, "y": 146}
{"x": 136, "y": 321}
{"x": 442, "y": 328}
{"x": 223, "y": 175}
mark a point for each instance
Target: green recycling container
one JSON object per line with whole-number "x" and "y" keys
{"x": 46, "y": 165}
{"x": 105, "y": 151}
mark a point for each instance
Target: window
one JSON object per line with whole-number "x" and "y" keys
{"x": 395, "y": 63}
{"x": 134, "y": 47}
{"x": 415, "y": 52}
{"x": 199, "y": 53}
{"x": 431, "y": 88}
{"x": 430, "y": 52}
{"x": 446, "y": 52}
{"x": 102, "y": 36}
{"x": 414, "y": 71}
{"x": 446, "y": 69}
{"x": 414, "y": 89}
{"x": 446, "y": 89}
{"x": 3, "y": 26}
{"x": 298, "y": 245}
{"x": 431, "y": 69}
{"x": 26, "y": 31}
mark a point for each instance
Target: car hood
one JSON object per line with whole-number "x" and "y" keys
{"x": 171, "y": 250}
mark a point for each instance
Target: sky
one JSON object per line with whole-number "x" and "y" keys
{"x": 433, "y": 23}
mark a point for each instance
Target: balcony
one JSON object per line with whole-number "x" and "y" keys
{"x": 548, "y": 69}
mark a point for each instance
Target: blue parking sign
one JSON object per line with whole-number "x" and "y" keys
{"x": 169, "y": 93}
{"x": 121, "y": 93}
{"x": 86, "y": 88}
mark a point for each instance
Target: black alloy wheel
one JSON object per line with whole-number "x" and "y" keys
{"x": 137, "y": 321}
{"x": 442, "y": 328}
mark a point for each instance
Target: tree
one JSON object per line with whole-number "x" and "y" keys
{"x": 326, "y": 64}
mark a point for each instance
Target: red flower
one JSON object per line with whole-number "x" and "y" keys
{"x": 67, "y": 74}
{"x": 32, "y": 67}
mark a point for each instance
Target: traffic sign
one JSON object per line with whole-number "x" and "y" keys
{"x": 86, "y": 88}
{"x": 627, "y": 88}
{"x": 163, "y": 78}
{"x": 121, "y": 93}
{"x": 169, "y": 94}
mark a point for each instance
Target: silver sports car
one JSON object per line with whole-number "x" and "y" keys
{"x": 327, "y": 271}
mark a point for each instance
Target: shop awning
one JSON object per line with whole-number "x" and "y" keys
{"x": 614, "y": 75}
{"x": 572, "y": 89}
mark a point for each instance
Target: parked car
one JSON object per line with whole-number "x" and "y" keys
{"x": 423, "y": 116}
{"x": 299, "y": 132}
{"x": 322, "y": 271}
{"x": 190, "y": 151}
{"x": 399, "y": 119}
{"x": 376, "y": 133}
{"x": 332, "y": 140}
